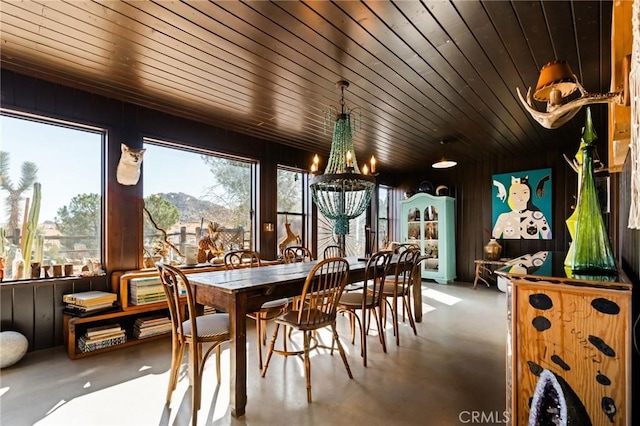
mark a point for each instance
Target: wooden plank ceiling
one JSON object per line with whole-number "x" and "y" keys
{"x": 420, "y": 72}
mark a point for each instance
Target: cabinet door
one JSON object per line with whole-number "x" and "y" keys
{"x": 431, "y": 238}
{"x": 413, "y": 234}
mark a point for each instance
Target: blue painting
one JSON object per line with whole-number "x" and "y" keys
{"x": 521, "y": 207}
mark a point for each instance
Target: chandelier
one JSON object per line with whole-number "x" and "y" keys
{"x": 342, "y": 193}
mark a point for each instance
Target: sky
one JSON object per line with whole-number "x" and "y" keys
{"x": 69, "y": 163}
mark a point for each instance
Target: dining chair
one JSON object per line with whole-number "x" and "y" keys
{"x": 397, "y": 286}
{"x": 368, "y": 299}
{"x": 333, "y": 251}
{"x": 190, "y": 330}
{"x": 405, "y": 246}
{"x": 293, "y": 254}
{"x": 321, "y": 293}
{"x": 243, "y": 258}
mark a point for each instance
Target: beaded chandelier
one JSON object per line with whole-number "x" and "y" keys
{"x": 342, "y": 193}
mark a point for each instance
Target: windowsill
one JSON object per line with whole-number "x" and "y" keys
{"x": 9, "y": 283}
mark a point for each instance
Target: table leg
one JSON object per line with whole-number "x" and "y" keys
{"x": 475, "y": 281}
{"x": 417, "y": 297}
{"x": 480, "y": 277}
{"x": 238, "y": 331}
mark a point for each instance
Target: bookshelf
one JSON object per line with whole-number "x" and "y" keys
{"x": 74, "y": 326}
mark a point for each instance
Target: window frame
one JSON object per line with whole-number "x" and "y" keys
{"x": 306, "y": 226}
{"x": 254, "y": 167}
{"x": 102, "y": 189}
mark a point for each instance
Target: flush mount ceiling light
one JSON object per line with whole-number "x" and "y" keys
{"x": 555, "y": 84}
{"x": 444, "y": 163}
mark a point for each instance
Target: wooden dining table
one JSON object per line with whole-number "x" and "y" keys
{"x": 242, "y": 291}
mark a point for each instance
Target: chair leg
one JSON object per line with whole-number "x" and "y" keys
{"x": 259, "y": 338}
{"x": 271, "y": 347}
{"x": 381, "y": 333}
{"x": 194, "y": 354}
{"x": 352, "y": 323}
{"x": 407, "y": 303}
{"x": 403, "y": 306}
{"x": 394, "y": 316}
{"x": 177, "y": 351}
{"x": 364, "y": 326}
{"x": 218, "y": 371}
{"x": 307, "y": 364}
{"x": 341, "y": 349}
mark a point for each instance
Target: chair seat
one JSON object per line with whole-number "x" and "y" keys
{"x": 209, "y": 326}
{"x": 354, "y": 286}
{"x": 275, "y": 304}
{"x": 389, "y": 288}
{"x": 313, "y": 319}
{"x": 353, "y": 300}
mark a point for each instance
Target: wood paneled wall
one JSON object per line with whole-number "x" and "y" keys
{"x": 34, "y": 308}
{"x": 471, "y": 185}
{"x": 472, "y": 189}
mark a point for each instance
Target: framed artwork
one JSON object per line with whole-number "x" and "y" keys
{"x": 521, "y": 205}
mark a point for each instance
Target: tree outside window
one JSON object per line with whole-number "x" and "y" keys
{"x": 49, "y": 217}
{"x": 186, "y": 192}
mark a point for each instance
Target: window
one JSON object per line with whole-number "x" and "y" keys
{"x": 51, "y": 194}
{"x": 354, "y": 241}
{"x": 383, "y": 217}
{"x": 292, "y": 219}
{"x": 192, "y": 195}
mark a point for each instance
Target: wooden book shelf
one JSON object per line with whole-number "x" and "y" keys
{"x": 74, "y": 327}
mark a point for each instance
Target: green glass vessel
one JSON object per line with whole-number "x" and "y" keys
{"x": 592, "y": 252}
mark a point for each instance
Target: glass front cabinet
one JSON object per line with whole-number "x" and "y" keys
{"x": 429, "y": 222}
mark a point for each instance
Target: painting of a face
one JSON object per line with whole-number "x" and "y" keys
{"x": 519, "y": 195}
{"x": 521, "y": 206}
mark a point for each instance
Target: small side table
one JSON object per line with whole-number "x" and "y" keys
{"x": 487, "y": 266}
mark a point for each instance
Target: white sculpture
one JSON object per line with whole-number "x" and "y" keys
{"x": 13, "y": 346}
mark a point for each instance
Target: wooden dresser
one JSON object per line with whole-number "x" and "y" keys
{"x": 578, "y": 328}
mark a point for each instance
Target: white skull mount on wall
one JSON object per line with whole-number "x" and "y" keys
{"x": 128, "y": 171}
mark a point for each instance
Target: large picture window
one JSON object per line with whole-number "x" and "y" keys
{"x": 292, "y": 219}
{"x": 51, "y": 198}
{"x": 383, "y": 217}
{"x": 198, "y": 199}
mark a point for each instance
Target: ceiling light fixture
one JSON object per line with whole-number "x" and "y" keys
{"x": 444, "y": 163}
{"x": 342, "y": 193}
{"x": 555, "y": 84}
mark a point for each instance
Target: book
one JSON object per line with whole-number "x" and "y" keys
{"x": 152, "y": 320}
{"x": 103, "y": 330}
{"x": 90, "y": 308}
{"x": 90, "y": 298}
{"x": 80, "y": 311}
{"x": 142, "y": 333}
{"x": 85, "y": 346}
{"x": 103, "y": 337}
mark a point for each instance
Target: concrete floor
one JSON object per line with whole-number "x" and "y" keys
{"x": 452, "y": 370}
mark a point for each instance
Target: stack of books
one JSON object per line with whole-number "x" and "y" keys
{"x": 89, "y": 302}
{"x": 145, "y": 290}
{"x": 149, "y": 290}
{"x": 151, "y": 326}
{"x": 101, "y": 337}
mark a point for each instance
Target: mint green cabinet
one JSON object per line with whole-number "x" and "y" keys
{"x": 429, "y": 222}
